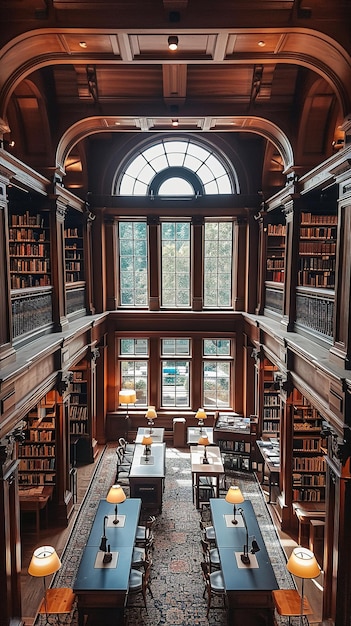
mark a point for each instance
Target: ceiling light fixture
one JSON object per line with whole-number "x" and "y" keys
{"x": 173, "y": 42}
{"x": 261, "y": 43}
{"x": 175, "y": 122}
{"x": 83, "y": 44}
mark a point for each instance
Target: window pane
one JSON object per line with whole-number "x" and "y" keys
{"x": 175, "y": 383}
{"x": 133, "y": 264}
{"x": 218, "y": 264}
{"x": 175, "y": 259}
{"x": 134, "y": 375}
{"x": 215, "y": 347}
{"x": 216, "y": 384}
{"x": 133, "y": 346}
{"x": 175, "y": 347}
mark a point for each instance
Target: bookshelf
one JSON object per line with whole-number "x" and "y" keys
{"x": 74, "y": 254}
{"x": 29, "y": 250}
{"x": 37, "y": 453}
{"x": 275, "y": 252}
{"x": 308, "y": 477}
{"x": 271, "y": 402}
{"x": 80, "y": 421}
{"x": 232, "y": 434}
{"x": 317, "y": 250}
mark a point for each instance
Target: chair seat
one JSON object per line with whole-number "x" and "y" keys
{"x": 214, "y": 556}
{"x": 210, "y": 533}
{"x": 217, "y": 582}
{"x": 135, "y": 583}
{"x": 138, "y": 557}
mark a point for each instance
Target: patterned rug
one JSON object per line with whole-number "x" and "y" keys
{"x": 176, "y": 578}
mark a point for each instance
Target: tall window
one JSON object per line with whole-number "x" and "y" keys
{"x": 175, "y": 259}
{"x": 134, "y": 370}
{"x": 133, "y": 264}
{"x": 218, "y": 259}
{"x": 217, "y": 368}
{"x": 175, "y": 372}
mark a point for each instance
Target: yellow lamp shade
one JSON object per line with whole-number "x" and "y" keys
{"x": 234, "y": 495}
{"x": 151, "y": 413}
{"x": 303, "y": 563}
{"x": 45, "y": 561}
{"x": 201, "y": 414}
{"x": 116, "y": 495}
{"x": 147, "y": 440}
{"x": 203, "y": 441}
{"x": 127, "y": 396}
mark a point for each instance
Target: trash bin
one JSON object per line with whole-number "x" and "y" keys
{"x": 179, "y": 440}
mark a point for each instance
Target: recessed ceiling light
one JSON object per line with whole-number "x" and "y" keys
{"x": 83, "y": 44}
{"x": 175, "y": 122}
{"x": 261, "y": 43}
{"x": 173, "y": 42}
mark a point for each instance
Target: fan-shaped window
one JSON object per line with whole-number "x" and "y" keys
{"x": 176, "y": 168}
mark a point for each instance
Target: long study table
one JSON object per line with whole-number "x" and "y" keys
{"x": 248, "y": 587}
{"x": 105, "y": 586}
{"x": 147, "y": 475}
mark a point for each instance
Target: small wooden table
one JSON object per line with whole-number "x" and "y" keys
{"x": 305, "y": 512}
{"x": 57, "y": 601}
{"x": 288, "y": 603}
{"x": 35, "y": 499}
{"x": 213, "y": 469}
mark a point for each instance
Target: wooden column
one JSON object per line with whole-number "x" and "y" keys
{"x": 58, "y": 271}
{"x": 153, "y": 222}
{"x": 239, "y": 264}
{"x": 10, "y": 561}
{"x": 88, "y": 260}
{"x": 63, "y": 494}
{"x": 262, "y": 254}
{"x": 292, "y": 217}
{"x": 198, "y": 263}
{"x": 6, "y": 350}
{"x": 110, "y": 228}
{"x": 284, "y": 502}
{"x": 340, "y": 353}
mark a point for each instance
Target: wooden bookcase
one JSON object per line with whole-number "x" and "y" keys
{"x": 37, "y": 453}
{"x": 317, "y": 250}
{"x": 80, "y": 420}
{"x": 275, "y": 263}
{"x": 271, "y": 409}
{"x": 308, "y": 477}
{"x": 29, "y": 250}
{"x": 74, "y": 254}
{"x": 232, "y": 433}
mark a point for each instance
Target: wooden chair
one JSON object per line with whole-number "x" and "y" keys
{"x": 144, "y": 535}
{"x": 128, "y": 448}
{"x": 122, "y": 470}
{"x": 209, "y": 534}
{"x": 211, "y": 555}
{"x": 214, "y": 587}
{"x": 139, "y": 583}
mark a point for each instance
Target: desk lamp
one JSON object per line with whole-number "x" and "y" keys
{"x": 127, "y": 396}
{"x": 45, "y": 561}
{"x": 115, "y": 496}
{"x": 303, "y": 563}
{"x": 234, "y": 496}
{"x": 203, "y": 441}
{"x": 254, "y": 545}
{"x": 103, "y": 544}
{"x": 201, "y": 415}
{"x": 147, "y": 441}
{"x": 150, "y": 415}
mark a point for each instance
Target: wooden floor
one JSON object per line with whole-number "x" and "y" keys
{"x": 32, "y": 588}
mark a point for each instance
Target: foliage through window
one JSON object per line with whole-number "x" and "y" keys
{"x": 218, "y": 259}
{"x": 175, "y": 373}
{"x": 217, "y": 373}
{"x": 175, "y": 261}
{"x": 133, "y": 263}
{"x": 134, "y": 373}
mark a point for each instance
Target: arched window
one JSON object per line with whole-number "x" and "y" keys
{"x": 172, "y": 168}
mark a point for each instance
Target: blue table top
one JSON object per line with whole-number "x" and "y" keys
{"x": 230, "y": 538}
{"x": 156, "y": 468}
{"x": 117, "y": 535}
{"x": 109, "y": 579}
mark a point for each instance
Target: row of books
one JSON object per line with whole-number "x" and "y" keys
{"x": 36, "y": 479}
{"x": 309, "y": 480}
{"x": 311, "y": 218}
{"x": 306, "y": 494}
{"x": 27, "y": 465}
{"x": 78, "y": 412}
{"x": 37, "y": 450}
{"x": 314, "y": 464}
{"x": 317, "y": 247}
{"x": 27, "y": 218}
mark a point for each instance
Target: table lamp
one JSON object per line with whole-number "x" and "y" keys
{"x": 127, "y": 396}
{"x": 115, "y": 496}
{"x": 150, "y": 415}
{"x": 303, "y": 563}
{"x": 234, "y": 496}
{"x": 147, "y": 441}
{"x": 45, "y": 561}
{"x": 201, "y": 416}
{"x": 203, "y": 441}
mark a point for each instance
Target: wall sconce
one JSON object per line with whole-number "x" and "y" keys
{"x": 173, "y": 42}
{"x": 151, "y": 415}
{"x": 303, "y": 563}
{"x": 147, "y": 441}
{"x": 201, "y": 416}
{"x": 127, "y": 396}
{"x": 234, "y": 496}
{"x": 45, "y": 561}
{"x": 203, "y": 441}
{"x": 115, "y": 496}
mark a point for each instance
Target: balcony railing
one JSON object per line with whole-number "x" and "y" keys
{"x": 315, "y": 310}
{"x": 75, "y": 297}
{"x": 31, "y": 310}
{"x": 274, "y": 298}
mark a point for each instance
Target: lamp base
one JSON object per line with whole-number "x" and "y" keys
{"x": 205, "y": 461}
{"x": 234, "y": 521}
{"x": 245, "y": 559}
